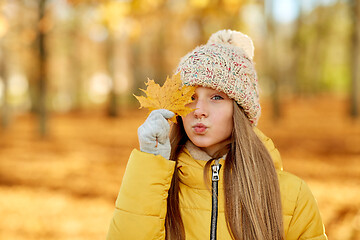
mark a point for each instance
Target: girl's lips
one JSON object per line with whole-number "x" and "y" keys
{"x": 199, "y": 128}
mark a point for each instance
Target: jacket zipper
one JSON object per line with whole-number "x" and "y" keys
{"x": 214, "y": 204}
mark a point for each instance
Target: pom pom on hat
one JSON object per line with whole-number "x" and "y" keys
{"x": 225, "y": 64}
{"x": 234, "y": 38}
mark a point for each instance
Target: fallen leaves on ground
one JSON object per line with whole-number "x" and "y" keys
{"x": 65, "y": 186}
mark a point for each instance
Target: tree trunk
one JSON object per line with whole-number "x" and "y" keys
{"x": 74, "y": 44}
{"x": 113, "y": 96}
{"x": 5, "y": 106}
{"x": 41, "y": 104}
{"x": 355, "y": 81}
{"x": 272, "y": 59}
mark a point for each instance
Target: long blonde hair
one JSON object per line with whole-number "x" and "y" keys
{"x": 251, "y": 188}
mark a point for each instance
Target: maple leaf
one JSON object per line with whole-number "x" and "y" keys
{"x": 172, "y": 96}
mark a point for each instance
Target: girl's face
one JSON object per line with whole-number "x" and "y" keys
{"x": 210, "y": 125}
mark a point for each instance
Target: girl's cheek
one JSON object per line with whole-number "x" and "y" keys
{"x": 190, "y": 105}
{"x": 184, "y": 119}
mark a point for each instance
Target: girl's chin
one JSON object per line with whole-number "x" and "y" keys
{"x": 200, "y": 144}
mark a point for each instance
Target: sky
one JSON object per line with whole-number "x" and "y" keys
{"x": 287, "y": 10}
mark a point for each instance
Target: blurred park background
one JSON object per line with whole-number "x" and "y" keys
{"x": 68, "y": 69}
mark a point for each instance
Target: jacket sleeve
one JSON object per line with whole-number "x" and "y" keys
{"x": 141, "y": 204}
{"x": 306, "y": 222}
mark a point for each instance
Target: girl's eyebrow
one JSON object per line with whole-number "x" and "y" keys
{"x": 220, "y": 93}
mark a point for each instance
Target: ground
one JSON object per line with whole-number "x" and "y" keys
{"x": 64, "y": 186}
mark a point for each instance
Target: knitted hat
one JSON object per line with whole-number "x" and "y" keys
{"x": 225, "y": 64}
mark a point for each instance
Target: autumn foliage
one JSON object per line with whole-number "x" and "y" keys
{"x": 172, "y": 96}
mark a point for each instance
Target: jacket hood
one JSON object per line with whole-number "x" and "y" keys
{"x": 274, "y": 153}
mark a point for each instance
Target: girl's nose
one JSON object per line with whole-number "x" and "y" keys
{"x": 201, "y": 110}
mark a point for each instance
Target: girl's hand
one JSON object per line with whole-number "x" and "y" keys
{"x": 154, "y": 133}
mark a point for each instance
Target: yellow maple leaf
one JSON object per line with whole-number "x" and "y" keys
{"x": 172, "y": 96}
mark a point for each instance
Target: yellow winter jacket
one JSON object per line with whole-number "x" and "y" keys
{"x": 141, "y": 204}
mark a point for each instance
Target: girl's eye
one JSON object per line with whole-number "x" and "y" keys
{"x": 217, "y": 97}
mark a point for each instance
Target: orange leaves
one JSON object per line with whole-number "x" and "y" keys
{"x": 171, "y": 96}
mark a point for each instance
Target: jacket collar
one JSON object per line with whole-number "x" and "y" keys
{"x": 199, "y": 154}
{"x": 191, "y": 170}
{"x": 192, "y": 160}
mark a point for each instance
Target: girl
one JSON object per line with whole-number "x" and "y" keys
{"x": 216, "y": 176}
